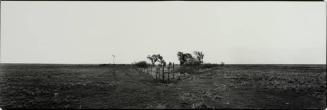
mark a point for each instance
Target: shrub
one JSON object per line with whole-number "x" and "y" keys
{"x": 102, "y": 64}
{"x": 208, "y": 65}
{"x": 141, "y": 64}
{"x": 222, "y": 64}
{"x": 192, "y": 62}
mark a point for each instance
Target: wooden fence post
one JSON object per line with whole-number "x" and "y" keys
{"x": 156, "y": 71}
{"x": 163, "y": 73}
{"x": 173, "y": 75}
{"x": 173, "y": 72}
{"x": 180, "y": 74}
{"x": 168, "y": 72}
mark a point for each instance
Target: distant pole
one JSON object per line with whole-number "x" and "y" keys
{"x": 113, "y": 59}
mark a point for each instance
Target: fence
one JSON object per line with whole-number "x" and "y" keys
{"x": 163, "y": 73}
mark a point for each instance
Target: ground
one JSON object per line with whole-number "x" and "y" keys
{"x": 124, "y": 86}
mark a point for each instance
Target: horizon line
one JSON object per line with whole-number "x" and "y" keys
{"x": 176, "y": 63}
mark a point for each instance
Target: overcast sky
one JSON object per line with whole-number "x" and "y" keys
{"x": 233, "y": 32}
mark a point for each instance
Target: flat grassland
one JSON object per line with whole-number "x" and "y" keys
{"x": 124, "y": 86}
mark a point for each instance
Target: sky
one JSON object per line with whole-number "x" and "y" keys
{"x": 233, "y": 32}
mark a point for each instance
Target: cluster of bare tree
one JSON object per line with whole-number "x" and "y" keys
{"x": 189, "y": 63}
{"x": 184, "y": 58}
{"x": 161, "y": 70}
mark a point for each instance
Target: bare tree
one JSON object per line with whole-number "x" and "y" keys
{"x": 153, "y": 59}
{"x": 199, "y": 56}
{"x": 181, "y": 58}
{"x": 188, "y": 57}
{"x": 184, "y": 58}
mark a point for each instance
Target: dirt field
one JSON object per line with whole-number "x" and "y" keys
{"x": 123, "y": 86}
